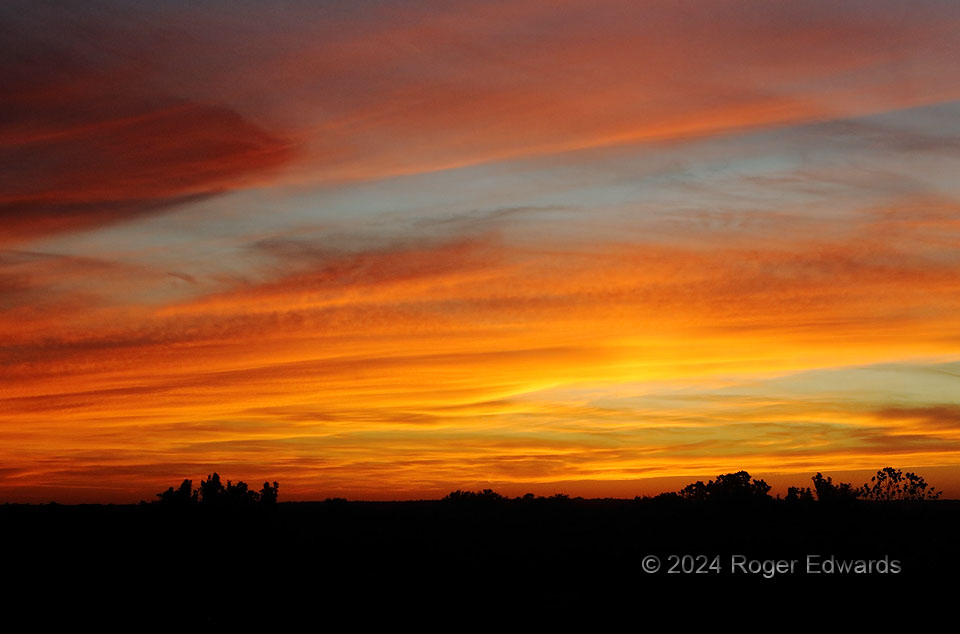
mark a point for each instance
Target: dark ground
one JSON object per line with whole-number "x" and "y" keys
{"x": 98, "y": 563}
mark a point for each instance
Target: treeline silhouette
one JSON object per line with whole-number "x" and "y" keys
{"x": 212, "y": 493}
{"x": 888, "y": 485}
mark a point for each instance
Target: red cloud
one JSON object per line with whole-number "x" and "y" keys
{"x": 106, "y": 169}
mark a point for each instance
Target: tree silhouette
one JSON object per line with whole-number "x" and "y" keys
{"x": 487, "y": 495}
{"x": 799, "y": 494}
{"x": 239, "y": 494}
{"x": 212, "y": 493}
{"x": 831, "y": 493}
{"x": 211, "y": 490}
{"x": 268, "y": 494}
{"x": 729, "y": 487}
{"x": 892, "y": 484}
{"x": 182, "y": 496}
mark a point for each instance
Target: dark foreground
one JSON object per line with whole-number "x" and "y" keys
{"x": 99, "y": 563}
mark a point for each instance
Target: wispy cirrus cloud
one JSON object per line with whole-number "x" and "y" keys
{"x": 358, "y": 357}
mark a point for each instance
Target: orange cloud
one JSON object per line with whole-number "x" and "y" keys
{"x": 420, "y": 366}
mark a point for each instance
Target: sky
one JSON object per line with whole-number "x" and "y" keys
{"x": 385, "y": 250}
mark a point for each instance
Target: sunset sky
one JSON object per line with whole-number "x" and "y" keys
{"x": 384, "y": 250}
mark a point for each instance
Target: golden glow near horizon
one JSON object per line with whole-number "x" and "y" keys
{"x": 401, "y": 250}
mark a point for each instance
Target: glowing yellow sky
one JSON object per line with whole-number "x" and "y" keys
{"x": 387, "y": 252}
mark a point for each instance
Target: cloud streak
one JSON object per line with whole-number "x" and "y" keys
{"x": 372, "y": 361}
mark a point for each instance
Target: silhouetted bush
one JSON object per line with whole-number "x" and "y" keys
{"x": 487, "y": 495}
{"x": 728, "y": 488}
{"x": 182, "y": 496}
{"x": 892, "y": 484}
{"x": 830, "y": 493}
{"x": 799, "y": 494}
{"x": 888, "y": 485}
